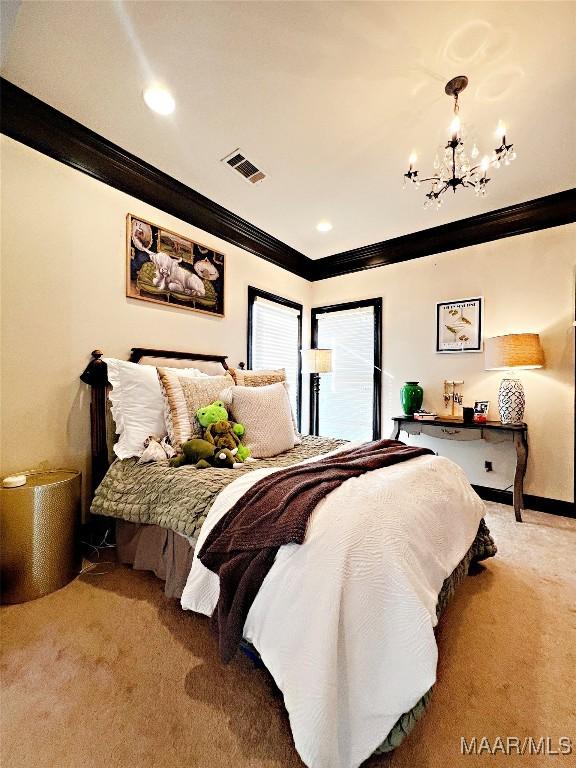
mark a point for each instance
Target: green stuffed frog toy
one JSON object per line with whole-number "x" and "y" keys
{"x": 220, "y": 432}
{"x": 202, "y": 455}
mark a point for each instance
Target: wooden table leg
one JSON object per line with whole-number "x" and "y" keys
{"x": 396, "y": 431}
{"x": 521, "y": 445}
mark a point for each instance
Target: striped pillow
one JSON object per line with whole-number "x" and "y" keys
{"x": 183, "y": 397}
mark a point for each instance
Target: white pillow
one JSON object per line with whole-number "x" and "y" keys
{"x": 138, "y": 404}
{"x": 266, "y": 414}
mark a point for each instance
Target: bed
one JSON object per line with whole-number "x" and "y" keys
{"x": 161, "y": 514}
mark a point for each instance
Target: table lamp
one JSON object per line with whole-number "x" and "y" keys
{"x": 515, "y": 350}
{"x": 316, "y": 361}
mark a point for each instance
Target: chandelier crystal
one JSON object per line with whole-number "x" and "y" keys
{"x": 453, "y": 166}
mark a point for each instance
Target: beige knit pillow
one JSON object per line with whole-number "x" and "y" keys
{"x": 266, "y": 414}
{"x": 247, "y": 378}
{"x": 181, "y": 402}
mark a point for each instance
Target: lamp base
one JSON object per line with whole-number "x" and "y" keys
{"x": 511, "y": 401}
{"x": 315, "y": 401}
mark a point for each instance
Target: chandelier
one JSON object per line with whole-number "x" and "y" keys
{"x": 453, "y": 167}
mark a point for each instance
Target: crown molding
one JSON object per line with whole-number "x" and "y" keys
{"x": 42, "y": 127}
{"x": 550, "y": 211}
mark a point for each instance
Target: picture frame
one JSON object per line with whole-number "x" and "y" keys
{"x": 482, "y": 406}
{"x": 459, "y": 326}
{"x": 167, "y": 268}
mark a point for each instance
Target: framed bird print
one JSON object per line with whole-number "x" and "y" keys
{"x": 171, "y": 269}
{"x": 459, "y": 326}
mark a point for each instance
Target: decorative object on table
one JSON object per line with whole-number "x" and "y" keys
{"x": 453, "y": 168}
{"x": 411, "y": 396}
{"x": 514, "y": 350}
{"x": 423, "y": 415}
{"x": 459, "y": 325}
{"x": 481, "y": 408}
{"x": 316, "y": 361}
{"x": 468, "y": 414}
{"x": 453, "y": 399}
{"x": 14, "y": 481}
{"x": 40, "y": 521}
{"x": 172, "y": 269}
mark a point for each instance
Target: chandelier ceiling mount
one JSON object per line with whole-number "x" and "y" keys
{"x": 456, "y": 86}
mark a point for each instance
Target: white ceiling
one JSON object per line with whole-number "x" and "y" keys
{"x": 329, "y": 98}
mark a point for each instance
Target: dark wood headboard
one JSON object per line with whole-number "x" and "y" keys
{"x": 137, "y": 353}
{"x": 96, "y": 376}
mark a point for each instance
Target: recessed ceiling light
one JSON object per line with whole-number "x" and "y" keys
{"x": 323, "y": 226}
{"x": 159, "y": 99}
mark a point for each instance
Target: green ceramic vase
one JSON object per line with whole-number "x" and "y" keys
{"x": 411, "y": 396}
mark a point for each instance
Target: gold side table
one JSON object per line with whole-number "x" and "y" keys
{"x": 39, "y": 526}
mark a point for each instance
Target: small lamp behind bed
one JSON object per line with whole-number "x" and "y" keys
{"x": 316, "y": 361}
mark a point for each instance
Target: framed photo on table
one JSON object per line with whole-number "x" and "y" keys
{"x": 459, "y": 325}
{"x": 481, "y": 408}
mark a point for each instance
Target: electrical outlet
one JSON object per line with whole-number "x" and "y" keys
{"x": 488, "y": 466}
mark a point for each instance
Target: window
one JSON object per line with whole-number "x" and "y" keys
{"x": 349, "y": 400}
{"x": 275, "y": 339}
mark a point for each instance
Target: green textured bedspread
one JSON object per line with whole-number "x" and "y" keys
{"x": 180, "y": 498}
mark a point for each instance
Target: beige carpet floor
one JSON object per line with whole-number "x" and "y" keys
{"x": 108, "y": 672}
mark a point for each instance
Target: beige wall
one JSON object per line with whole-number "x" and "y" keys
{"x": 528, "y": 285}
{"x": 63, "y": 285}
{"x": 63, "y": 272}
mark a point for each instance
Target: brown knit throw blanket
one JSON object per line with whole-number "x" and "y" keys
{"x": 242, "y": 546}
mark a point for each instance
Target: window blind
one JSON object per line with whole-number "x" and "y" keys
{"x": 275, "y": 342}
{"x": 347, "y": 394}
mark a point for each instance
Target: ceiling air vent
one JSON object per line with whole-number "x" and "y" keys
{"x": 239, "y": 163}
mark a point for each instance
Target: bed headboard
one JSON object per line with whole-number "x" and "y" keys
{"x": 96, "y": 376}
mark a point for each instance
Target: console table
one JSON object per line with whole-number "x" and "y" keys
{"x": 450, "y": 429}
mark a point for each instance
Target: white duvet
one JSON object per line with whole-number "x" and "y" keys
{"x": 344, "y": 622}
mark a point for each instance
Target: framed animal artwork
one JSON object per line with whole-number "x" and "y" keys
{"x": 459, "y": 326}
{"x": 170, "y": 269}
